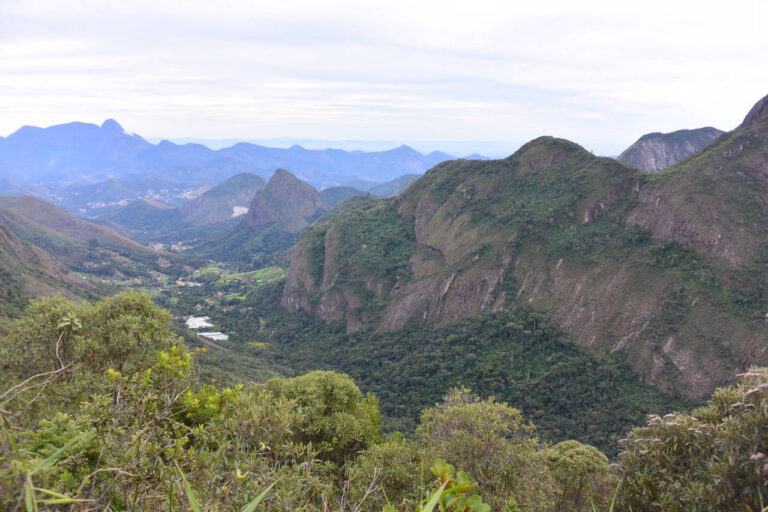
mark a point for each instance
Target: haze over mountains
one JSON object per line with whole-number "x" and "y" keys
{"x": 85, "y": 153}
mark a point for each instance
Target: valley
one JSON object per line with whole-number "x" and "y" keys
{"x": 586, "y": 292}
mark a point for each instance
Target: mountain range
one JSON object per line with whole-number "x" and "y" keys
{"x": 83, "y": 153}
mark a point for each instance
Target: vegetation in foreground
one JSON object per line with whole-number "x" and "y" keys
{"x": 102, "y": 411}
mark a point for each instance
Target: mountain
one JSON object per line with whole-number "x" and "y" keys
{"x": 656, "y": 151}
{"x": 79, "y": 244}
{"x": 142, "y": 216}
{"x": 335, "y": 195}
{"x": 668, "y": 268}
{"x": 70, "y": 150}
{"x": 276, "y": 215}
{"x": 287, "y": 201}
{"x": 16, "y": 188}
{"x": 225, "y": 201}
{"x": 28, "y": 271}
{"x": 393, "y": 187}
{"x": 440, "y": 156}
{"x": 83, "y": 153}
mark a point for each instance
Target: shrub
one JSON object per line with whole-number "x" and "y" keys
{"x": 493, "y": 443}
{"x": 712, "y": 459}
{"x": 581, "y": 473}
{"x": 392, "y": 470}
{"x": 336, "y": 418}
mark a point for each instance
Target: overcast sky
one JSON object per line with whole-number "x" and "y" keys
{"x": 598, "y": 73}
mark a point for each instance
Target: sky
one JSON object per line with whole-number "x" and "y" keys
{"x": 470, "y": 74}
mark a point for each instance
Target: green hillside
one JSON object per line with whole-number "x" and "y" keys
{"x": 336, "y": 195}
{"x": 85, "y": 247}
{"x": 26, "y": 271}
{"x": 667, "y": 269}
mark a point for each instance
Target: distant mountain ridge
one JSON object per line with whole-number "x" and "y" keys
{"x": 656, "y": 151}
{"x": 85, "y": 153}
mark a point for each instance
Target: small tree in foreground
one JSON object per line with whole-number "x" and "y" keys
{"x": 493, "y": 443}
{"x": 581, "y": 473}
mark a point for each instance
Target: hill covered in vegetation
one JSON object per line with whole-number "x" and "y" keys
{"x": 667, "y": 268}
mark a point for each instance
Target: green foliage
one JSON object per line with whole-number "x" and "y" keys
{"x": 13, "y": 300}
{"x": 336, "y": 419}
{"x": 712, "y": 459}
{"x": 243, "y": 244}
{"x": 101, "y": 409}
{"x": 375, "y": 242}
{"x": 387, "y": 473}
{"x": 452, "y": 493}
{"x": 493, "y": 442}
{"x": 581, "y": 473}
{"x": 519, "y": 357}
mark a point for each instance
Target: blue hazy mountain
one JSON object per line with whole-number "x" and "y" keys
{"x": 82, "y": 153}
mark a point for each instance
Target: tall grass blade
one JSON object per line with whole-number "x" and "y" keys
{"x": 58, "y": 498}
{"x": 252, "y": 505}
{"x": 7, "y": 431}
{"x": 50, "y": 460}
{"x": 189, "y": 492}
{"x": 430, "y": 506}
{"x": 29, "y": 496}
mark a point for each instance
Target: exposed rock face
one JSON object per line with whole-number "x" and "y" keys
{"x": 287, "y": 200}
{"x": 579, "y": 237}
{"x": 656, "y": 151}
{"x": 757, "y": 118}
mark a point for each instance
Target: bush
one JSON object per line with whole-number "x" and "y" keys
{"x": 712, "y": 459}
{"x": 581, "y": 473}
{"x": 491, "y": 442}
{"x": 390, "y": 472}
{"x": 335, "y": 417}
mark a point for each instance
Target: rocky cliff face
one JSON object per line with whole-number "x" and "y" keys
{"x": 668, "y": 268}
{"x": 288, "y": 201}
{"x": 656, "y": 151}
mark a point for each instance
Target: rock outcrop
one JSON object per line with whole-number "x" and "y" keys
{"x": 656, "y": 151}
{"x": 287, "y": 201}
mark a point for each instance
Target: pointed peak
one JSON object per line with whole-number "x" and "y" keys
{"x": 282, "y": 175}
{"x": 112, "y": 126}
{"x": 757, "y": 115}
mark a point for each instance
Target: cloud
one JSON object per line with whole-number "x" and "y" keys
{"x": 600, "y": 73}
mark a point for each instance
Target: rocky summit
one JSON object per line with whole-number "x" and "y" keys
{"x": 656, "y": 151}
{"x": 287, "y": 201}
